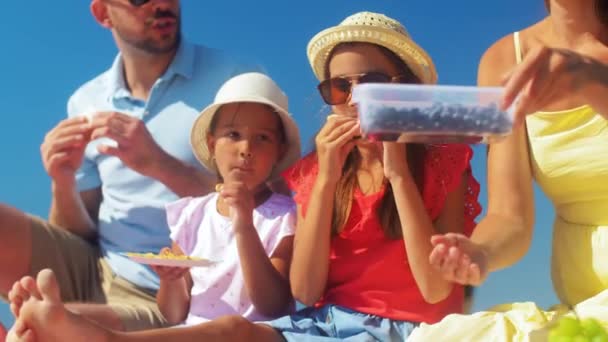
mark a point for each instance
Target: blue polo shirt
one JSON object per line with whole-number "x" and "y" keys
{"x": 132, "y": 215}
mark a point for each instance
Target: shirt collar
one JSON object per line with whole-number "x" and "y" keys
{"x": 183, "y": 62}
{"x": 182, "y": 65}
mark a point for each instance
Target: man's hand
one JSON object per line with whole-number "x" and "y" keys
{"x": 63, "y": 149}
{"x": 136, "y": 148}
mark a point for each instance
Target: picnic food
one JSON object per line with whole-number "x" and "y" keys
{"x": 574, "y": 329}
{"x": 166, "y": 254}
{"x": 431, "y": 113}
{"x": 437, "y": 119}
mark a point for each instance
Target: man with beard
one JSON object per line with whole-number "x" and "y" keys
{"x": 122, "y": 153}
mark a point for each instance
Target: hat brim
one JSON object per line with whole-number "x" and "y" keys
{"x": 321, "y": 45}
{"x": 200, "y": 131}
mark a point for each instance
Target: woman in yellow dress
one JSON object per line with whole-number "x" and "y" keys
{"x": 558, "y": 69}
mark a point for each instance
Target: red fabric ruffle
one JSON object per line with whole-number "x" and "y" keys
{"x": 445, "y": 166}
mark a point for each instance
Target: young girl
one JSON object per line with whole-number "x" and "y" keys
{"x": 367, "y": 210}
{"x": 361, "y": 206}
{"x": 244, "y": 226}
{"x": 247, "y": 137}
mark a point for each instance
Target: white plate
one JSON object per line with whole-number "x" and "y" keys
{"x": 157, "y": 261}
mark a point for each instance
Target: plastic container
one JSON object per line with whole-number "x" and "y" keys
{"x": 431, "y": 113}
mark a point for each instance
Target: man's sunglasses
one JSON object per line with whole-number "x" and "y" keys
{"x": 337, "y": 90}
{"x": 137, "y": 3}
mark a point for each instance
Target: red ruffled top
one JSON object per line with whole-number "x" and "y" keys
{"x": 370, "y": 273}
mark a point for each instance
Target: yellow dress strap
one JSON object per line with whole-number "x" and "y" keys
{"x": 518, "y": 54}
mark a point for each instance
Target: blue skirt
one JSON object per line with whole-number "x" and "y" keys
{"x": 335, "y": 323}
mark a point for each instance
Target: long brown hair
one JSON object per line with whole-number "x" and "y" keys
{"x": 387, "y": 210}
{"x": 600, "y": 6}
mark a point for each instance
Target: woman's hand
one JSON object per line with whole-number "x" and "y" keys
{"x": 548, "y": 74}
{"x": 459, "y": 259}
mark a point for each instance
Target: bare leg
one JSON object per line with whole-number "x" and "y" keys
{"x": 99, "y": 313}
{"x": 15, "y": 246}
{"x": 15, "y": 258}
{"x": 47, "y": 319}
{"x": 229, "y": 328}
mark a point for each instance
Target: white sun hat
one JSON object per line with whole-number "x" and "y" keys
{"x": 375, "y": 28}
{"x": 252, "y": 87}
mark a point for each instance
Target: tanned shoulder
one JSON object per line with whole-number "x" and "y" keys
{"x": 500, "y": 57}
{"x": 496, "y": 61}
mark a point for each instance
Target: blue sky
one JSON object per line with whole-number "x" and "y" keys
{"x": 51, "y": 47}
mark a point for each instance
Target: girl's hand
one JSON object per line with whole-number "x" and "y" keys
{"x": 459, "y": 259}
{"x": 548, "y": 74}
{"x": 395, "y": 160}
{"x": 239, "y": 198}
{"x": 335, "y": 140}
{"x": 167, "y": 273}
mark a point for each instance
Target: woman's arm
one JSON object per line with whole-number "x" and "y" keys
{"x": 504, "y": 235}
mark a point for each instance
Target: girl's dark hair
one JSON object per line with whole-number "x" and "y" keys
{"x": 600, "y": 6}
{"x": 387, "y": 210}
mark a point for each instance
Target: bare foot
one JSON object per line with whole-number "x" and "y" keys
{"x": 43, "y": 317}
{"x": 20, "y": 292}
{"x": 19, "y": 333}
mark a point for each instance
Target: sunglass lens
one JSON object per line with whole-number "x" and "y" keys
{"x": 374, "y": 77}
{"x": 335, "y": 91}
{"x": 138, "y": 3}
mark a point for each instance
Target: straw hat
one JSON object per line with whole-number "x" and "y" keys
{"x": 375, "y": 28}
{"x": 250, "y": 87}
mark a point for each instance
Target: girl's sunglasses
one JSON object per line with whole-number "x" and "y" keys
{"x": 337, "y": 90}
{"x": 137, "y": 3}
